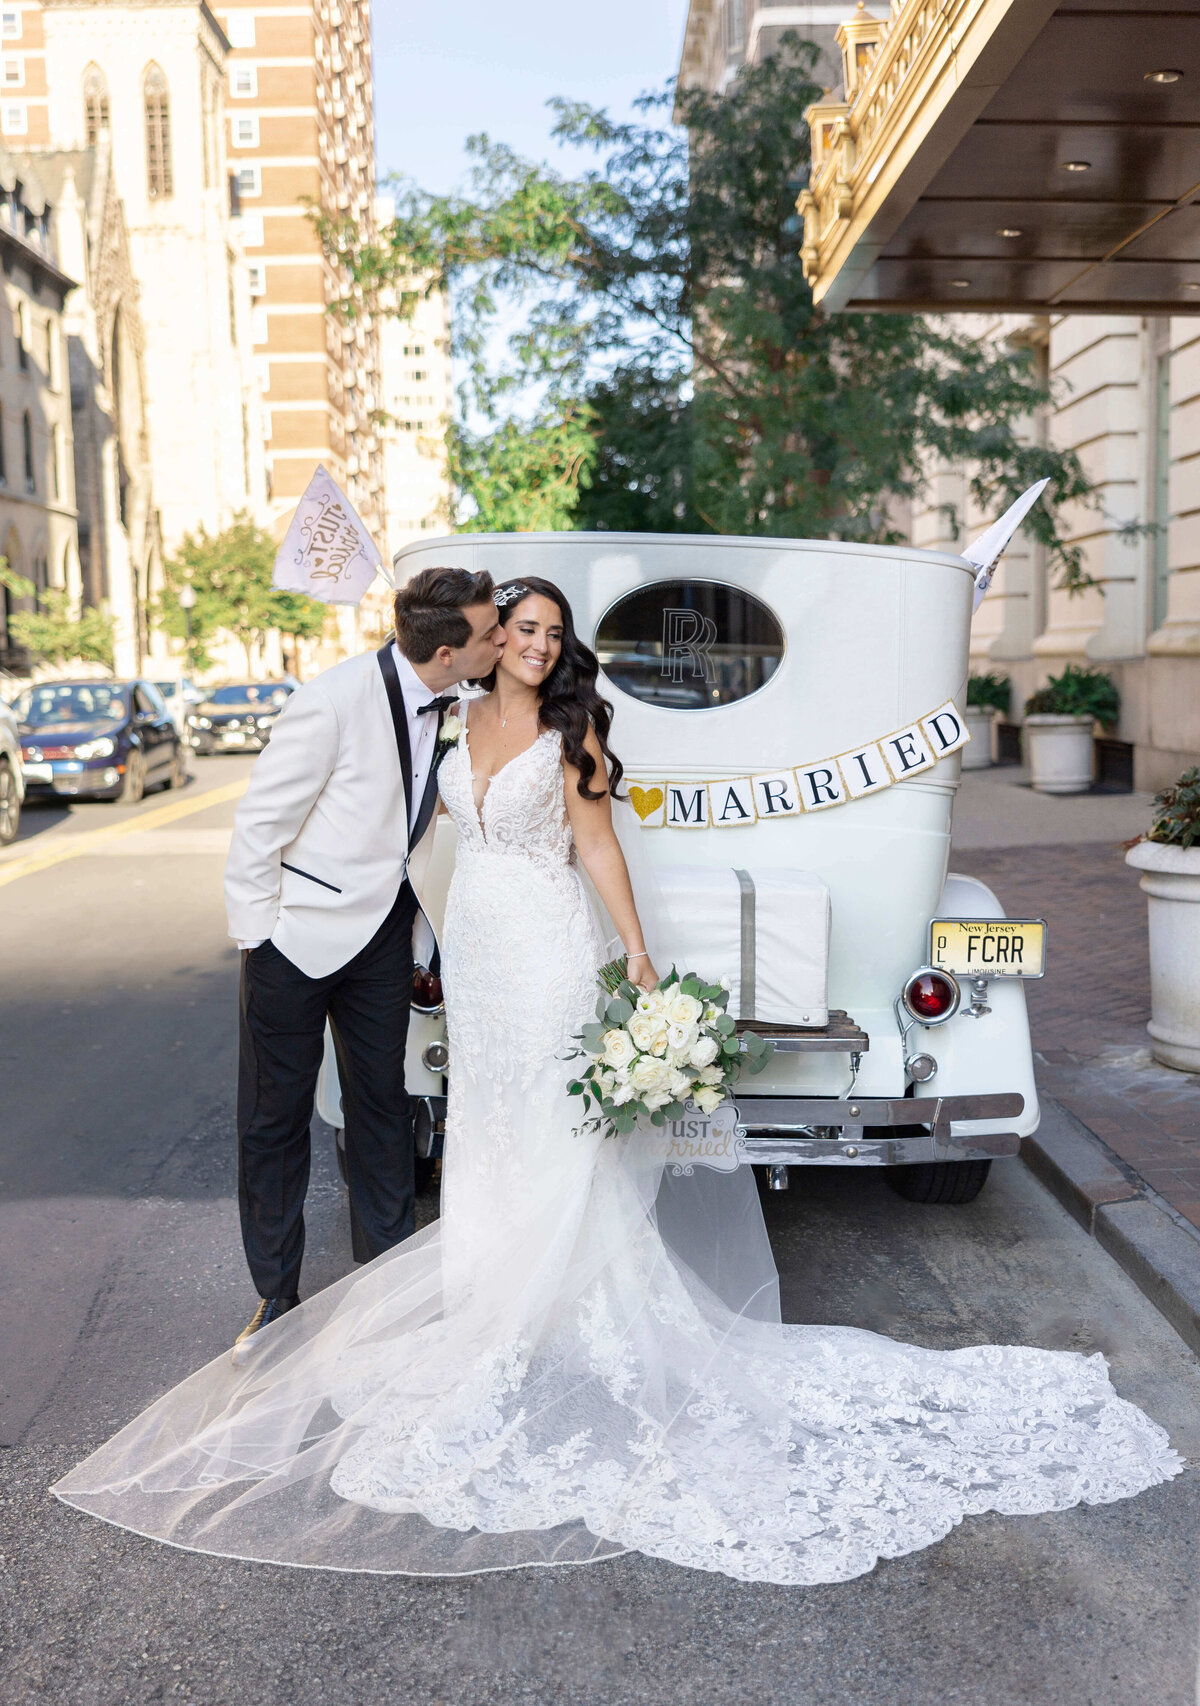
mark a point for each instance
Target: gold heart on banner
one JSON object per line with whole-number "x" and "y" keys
{"x": 646, "y": 801}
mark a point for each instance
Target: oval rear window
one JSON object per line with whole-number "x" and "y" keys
{"x": 689, "y": 645}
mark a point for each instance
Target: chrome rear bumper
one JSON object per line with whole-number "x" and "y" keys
{"x": 868, "y": 1131}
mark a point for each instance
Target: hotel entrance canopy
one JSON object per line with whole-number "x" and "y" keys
{"x": 1011, "y": 155}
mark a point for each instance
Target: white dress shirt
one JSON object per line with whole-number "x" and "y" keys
{"x": 422, "y": 737}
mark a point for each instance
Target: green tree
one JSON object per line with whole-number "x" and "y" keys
{"x": 230, "y": 573}
{"x": 660, "y": 300}
{"x": 524, "y": 477}
{"x": 51, "y": 631}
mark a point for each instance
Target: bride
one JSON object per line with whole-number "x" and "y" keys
{"x": 579, "y": 1358}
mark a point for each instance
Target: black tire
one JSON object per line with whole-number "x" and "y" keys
{"x": 10, "y": 805}
{"x": 133, "y": 787}
{"x": 940, "y": 1181}
{"x": 178, "y": 776}
{"x": 424, "y": 1167}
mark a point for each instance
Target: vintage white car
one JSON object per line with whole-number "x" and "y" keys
{"x": 786, "y": 714}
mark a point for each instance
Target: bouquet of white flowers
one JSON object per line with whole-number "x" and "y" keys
{"x": 652, "y": 1053}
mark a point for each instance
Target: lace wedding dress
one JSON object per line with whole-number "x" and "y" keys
{"x": 538, "y": 1378}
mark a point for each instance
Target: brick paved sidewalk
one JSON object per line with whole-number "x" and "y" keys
{"x": 1088, "y": 1015}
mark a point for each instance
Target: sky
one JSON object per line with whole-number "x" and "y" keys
{"x": 446, "y": 69}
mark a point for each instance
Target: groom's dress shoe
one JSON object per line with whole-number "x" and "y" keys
{"x": 270, "y": 1309}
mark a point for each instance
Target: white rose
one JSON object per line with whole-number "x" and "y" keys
{"x": 684, "y": 1009}
{"x": 707, "y": 1098}
{"x": 656, "y": 1099}
{"x": 704, "y": 1051}
{"x": 451, "y": 728}
{"x": 724, "y": 983}
{"x": 681, "y": 1038}
{"x": 711, "y": 1075}
{"x": 649, "y": 1075}
{"x": 619, "y": 1047}
{"x": 676, "y": 1058}
{"x": 648, "y": 1031}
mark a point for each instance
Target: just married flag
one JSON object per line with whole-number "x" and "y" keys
{"x": 986, "y": 551}
{"x": 326, "y": 553}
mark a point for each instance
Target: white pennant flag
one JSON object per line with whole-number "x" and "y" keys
{"x": 326, "y": 553}
{"x": 986, "y": 551}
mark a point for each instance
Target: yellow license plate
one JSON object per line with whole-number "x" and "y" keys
{"x": 989, "y": 947}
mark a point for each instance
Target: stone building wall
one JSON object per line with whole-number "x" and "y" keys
{"x": 38, "y": 532}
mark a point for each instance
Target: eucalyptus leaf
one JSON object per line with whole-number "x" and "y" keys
{"x": 619, "y": 1012}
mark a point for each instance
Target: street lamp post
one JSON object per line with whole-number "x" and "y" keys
{"x": 187, "y": 603}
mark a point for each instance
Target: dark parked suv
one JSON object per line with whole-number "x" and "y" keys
{"x": 101, "y": 740}
{"x": 237, "y": 717}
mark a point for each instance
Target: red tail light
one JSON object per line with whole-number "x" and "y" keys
{"x": 426, "y": 990}
{"x": 931, "y": 996}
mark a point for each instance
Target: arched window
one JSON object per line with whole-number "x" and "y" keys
{"x": 27, "y": 433}
{"x": 158, "y": 133}
{"x": 95, "y": 105}
{"x": 56, "y": 461}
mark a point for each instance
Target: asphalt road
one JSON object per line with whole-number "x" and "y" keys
{"x": 122, "y": 1272}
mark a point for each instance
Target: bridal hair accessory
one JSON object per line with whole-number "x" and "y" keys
{"x": 509, "y": 594}
{"x": 652, "y": 1052}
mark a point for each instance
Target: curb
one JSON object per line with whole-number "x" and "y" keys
{"x": 1141, "y": 1233}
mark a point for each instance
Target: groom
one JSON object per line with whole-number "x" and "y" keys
{"x": 331, "y": 842}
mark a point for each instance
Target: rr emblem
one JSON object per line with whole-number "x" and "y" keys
{"x": 687, "y": 639}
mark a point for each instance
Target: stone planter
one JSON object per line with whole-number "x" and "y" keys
{"x": 977, "y": 754}
{"x": 1171, "y": 880}
{"x": 1058, "y": 751}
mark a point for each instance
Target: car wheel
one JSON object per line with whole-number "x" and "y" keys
{"x": 940, "y": 1181}
{"x": 134, "y": 785}
{"x": 10, "y": 805}
{"x": 424, "y": 1168}
{"x": 179, "y": 777}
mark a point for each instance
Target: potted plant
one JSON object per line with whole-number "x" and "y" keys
{"x": 1059, "y": 721}
{"x": 1169, "y": 859}
{"x": 986, "y": 694}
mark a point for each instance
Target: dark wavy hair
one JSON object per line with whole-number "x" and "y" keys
{"x": 567, "y": 700}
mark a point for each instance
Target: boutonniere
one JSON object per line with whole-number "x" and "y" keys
{"x": 450, "y": 730}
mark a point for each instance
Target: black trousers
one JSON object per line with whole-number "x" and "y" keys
{"x": 283, "y": 1014}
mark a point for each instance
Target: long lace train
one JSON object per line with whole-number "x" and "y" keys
{"x": 539, "y": 1378}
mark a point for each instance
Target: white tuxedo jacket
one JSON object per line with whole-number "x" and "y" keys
{"x": 320, "y": 841}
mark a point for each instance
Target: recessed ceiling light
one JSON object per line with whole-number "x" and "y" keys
{"x": 1167, "y": 76}
{"x": 1010, "y": 231}
{"x": 960, "y": 284}
{"x": 1189, "y": 287}
{"x": 1077, "y": 165}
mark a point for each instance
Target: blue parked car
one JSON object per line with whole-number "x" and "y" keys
{"x": 99, "y": 740}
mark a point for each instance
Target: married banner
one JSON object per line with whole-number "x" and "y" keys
{"x": 733, "y": 803}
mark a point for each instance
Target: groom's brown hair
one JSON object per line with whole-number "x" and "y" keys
{"x": 429, "y": 610}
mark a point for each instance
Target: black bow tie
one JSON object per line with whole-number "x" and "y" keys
{"x": 438, "y": 705}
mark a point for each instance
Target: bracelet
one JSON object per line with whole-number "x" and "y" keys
{"x": 635, "y": 954}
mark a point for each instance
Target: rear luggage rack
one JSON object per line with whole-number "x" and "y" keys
{"x": 840, "y": 1036}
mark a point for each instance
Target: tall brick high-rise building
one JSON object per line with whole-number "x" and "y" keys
{"x": 301, "y": 138}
